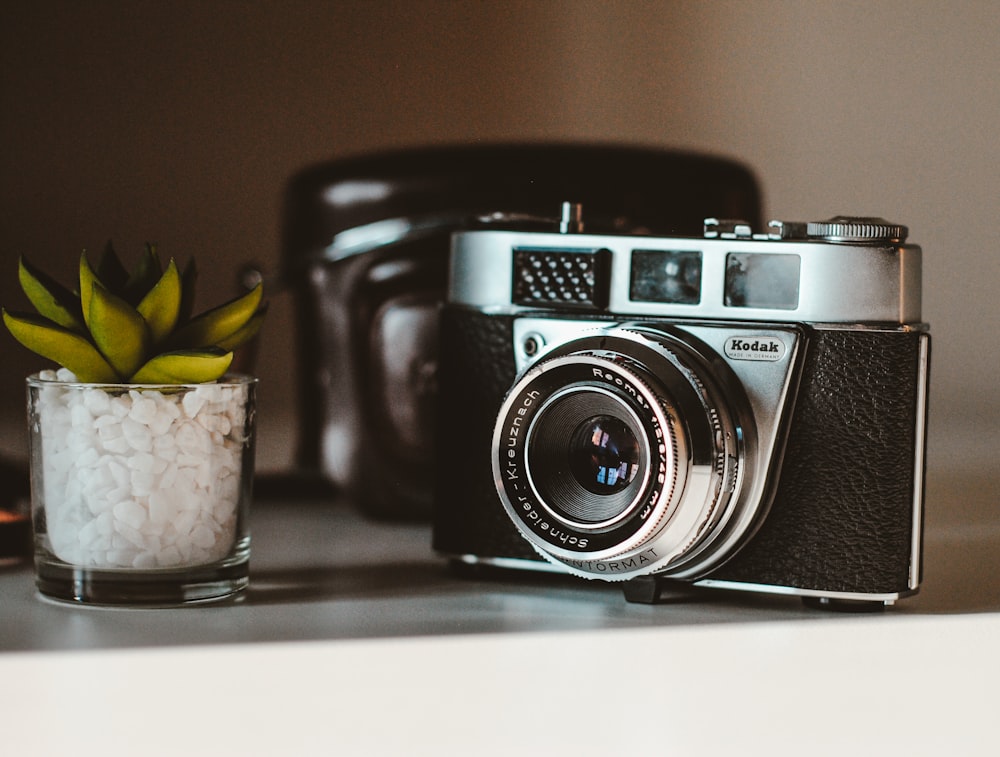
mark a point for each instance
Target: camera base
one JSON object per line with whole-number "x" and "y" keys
{"x": 657, "y": 590}
{"x": 834, "y": 604}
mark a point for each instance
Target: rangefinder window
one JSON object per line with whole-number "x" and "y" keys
{"x": 672, "y": 276}
{"x": 762, "y": 280}
{"x": 563, "y": 278}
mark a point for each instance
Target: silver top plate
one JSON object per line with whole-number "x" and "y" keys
{"x": 837, "y": 283}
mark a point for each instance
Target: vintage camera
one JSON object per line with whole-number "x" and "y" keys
{"x": 743, "y": 410}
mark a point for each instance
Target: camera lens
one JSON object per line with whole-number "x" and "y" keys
{"x": 624, "y": 453}
{"x": 604, "y": 454}
{"x": 585, "y": 457}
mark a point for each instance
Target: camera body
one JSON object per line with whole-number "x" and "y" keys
{"x": 741, "y": 410}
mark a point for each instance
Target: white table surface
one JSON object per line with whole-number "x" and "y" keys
{"x": 353, "y": 639}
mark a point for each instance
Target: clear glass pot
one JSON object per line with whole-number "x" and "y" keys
{"x": 140, "y": 493}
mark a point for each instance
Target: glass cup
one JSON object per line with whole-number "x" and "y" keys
{"x": 140, "y": 493}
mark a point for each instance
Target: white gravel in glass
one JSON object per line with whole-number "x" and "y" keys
{"x": 137, "y": 477}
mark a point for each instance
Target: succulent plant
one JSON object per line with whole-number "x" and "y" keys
{"x": 132, "y": 327}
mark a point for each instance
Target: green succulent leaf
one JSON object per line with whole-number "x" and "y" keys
{"x": 138, "y": 327}
{"x": 88, "y": 278}
{"x": 219, "y": 324}
{"x": 184, "y": 367}
{"x": 119, "y": 332}
{"x": 161, "y": 306}
{"x": 249, "y": 330}
{"x": 50, "y": 298}
{"x": 110, "y": 270}
{"x": 147, "y": 272}
{"x": 68, "y": 348}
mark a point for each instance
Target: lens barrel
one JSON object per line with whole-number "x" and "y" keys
{"x": 622, "y": 454}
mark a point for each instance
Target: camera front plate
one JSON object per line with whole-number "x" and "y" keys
{"x": 765, "y": 367}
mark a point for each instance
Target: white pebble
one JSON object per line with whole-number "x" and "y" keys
{"x": 162, "y": 507}
{"x": 169, "y": 557}
{"x": 204, "y": 478}
{"x": 192, "y": 439}
{"x": 141, "y": 461}
{"x": 185, "y": 521}
{"x": 88, "y": 534}
{"x": 142, "y": 483}
{"x": 210, "y": 392}
{"x": 186, "y": 460}
{"x": 133, "y": 538}
{"x": 168, "y": 476}
{"x": 80, "y": 418}
{"x": 137, "y": 434}
{"x": 145, "y": 561}
{"x": 98, "y": 501}
{"x": 117, "y": 446}
{"x": 202, "y": 536}
{"x": 193, "y": 402}
{"x": 161, "y": 423}
{"x": 105, "y": 523}
{"x": 130, "y": 513}
{"x": 118, "y": 472}
{"x": 88, "y": 458}
{"x": 108, "y": 426}
{"x": 143, "y": 410}
{"x": 120, "y": 406}
{"x": 96, "y": 402}
{"x": 119, "y": 558}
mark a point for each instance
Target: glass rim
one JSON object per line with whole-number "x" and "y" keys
{"x": 227, "y": 379}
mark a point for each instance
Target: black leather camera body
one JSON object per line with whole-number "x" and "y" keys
{"x": 739, "y": 410}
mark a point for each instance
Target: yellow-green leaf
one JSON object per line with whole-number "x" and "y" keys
{"x": 119, "y": 332}
{"x": 50, "y": 298}
{"x": 87, "y": 280}
{"x": 184, "y": 367}
{"x": 214, "y": 326}
{"x": 65, "y": 347}
{"x": 247, "y": 332}
{"x": 162, "y": 305}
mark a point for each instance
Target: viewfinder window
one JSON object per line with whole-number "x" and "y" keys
{"x": 762, "y": 280}
{"x": 672, "y": 276}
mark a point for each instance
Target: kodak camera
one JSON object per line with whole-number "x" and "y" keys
{"x": 742, "y": 411}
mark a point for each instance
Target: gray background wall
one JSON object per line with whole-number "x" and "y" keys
{"x": 180, "y": 121}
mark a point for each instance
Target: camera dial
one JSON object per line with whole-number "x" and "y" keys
{"x": 627, "y": 451}
{"x": 857, "y": 230}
